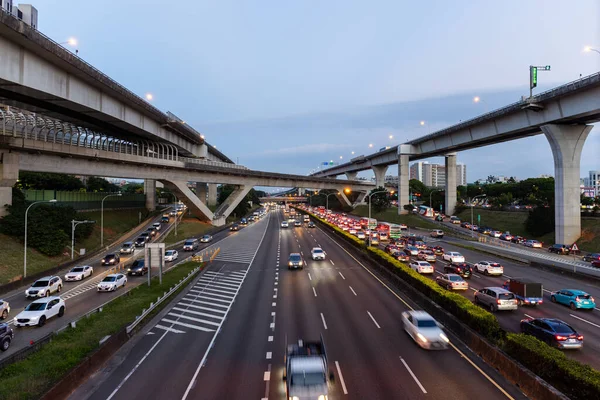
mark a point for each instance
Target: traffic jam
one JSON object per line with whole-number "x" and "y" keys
{"x": 450, "y": 270}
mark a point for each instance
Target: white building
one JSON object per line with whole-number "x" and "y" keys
{"x": 593, "y": 181}
{"x": 434, "y": 175}
{"x": 25, "y": 12}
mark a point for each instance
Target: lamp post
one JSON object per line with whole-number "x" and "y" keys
{"x": 102, "y": 217}
{"x": 369, "y": 222}
{"x": 25, "y": 247}
{"x": 471, "y": 202}
{"x": 327, "y": 199}
{"x": 587, "y": 49}
{"x": 175, "y": 201}
{"x": 73, "y": 226}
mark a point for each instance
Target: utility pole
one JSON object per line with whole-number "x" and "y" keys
{"x": 73, "y": 226}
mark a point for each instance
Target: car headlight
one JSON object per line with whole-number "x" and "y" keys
{"x": 444, "y": 338}
{"x": 290, "y": 263}
{"x": 300, "y": 263}
{"x": 323, "y": 397}
{"x": 103, "y": 260}
{"x": 128, "y": 269}
{"x": 422, "y": 338}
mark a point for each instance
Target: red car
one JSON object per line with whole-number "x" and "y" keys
{"x": 596, "y": 263}
{"x": 403, "y": 257}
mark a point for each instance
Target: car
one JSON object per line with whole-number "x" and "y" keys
{"x": 352, "y": 231}
{"x": 6, "y": 336}
{"x": 165, "y": 220}
{"x": 39, "y": 311}
{"x": 190, "y": 245}
{"x": 534, "y": 244}
{"x": 591, "y": 257}
{"x": 426, "y": 255}
{"x": 474, "y": 227}
{"x": 384, "y": 237}
{"x": 462, "y": 269}
{"x": 146, "y": 235}
{"x": 411, "y": 250}
{"x": 437, "y": 233}
{"x": 454, "y": 219}
{"x": 151, "y": 231}
{"x": 489, "y": 268}
{"x": 484, "y": 230}
{"x": 112, "y": 282}
{"x": 4, "y": 309}
{"x": 422, "y": 267}
{"x": 438, "y": 250}
{"x": 284, "y": 224}
{"x": 453, "y": 257}
{"x": 559, "y": 249}
{"x": 141, "y": 241}
{"x": 518, "y": 240}
{"x": 595, "y": 263}
{"x": 171, "y": 255}
{"x": 206, "y": 239}
{"x": 424, "y": 330}
{"x": 234, "y": 227}
{"x": 465, "y": 224}
{"x": 44, "y": 287}
{"x": 297, "y": 223}
{"x": 506, "y": 236}
{"x": 496, "y": 299}
{"x": 311, "y": 225}
{"x": 295, "y": 261}
{"x": 573, "y": 298}
{"x": 79, "y": 273}
{"x": 402, "y": 256}
{"x": 157, "y": 226}
{"x": 553, "y": 331}
{"x": 390, "y": 248}
{"x": 495, "y": 234}
{"x": 452, "y": 282}
{"x": 111, "y": 259}
{"x": 127, "y": 248}
{"x": 317, "y": 253}
{"x": 361, "y": 235}
{"x": 243, "y": 221}
{"x": 138, "y": 267}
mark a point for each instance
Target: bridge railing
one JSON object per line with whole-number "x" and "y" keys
{"x": 202, "y": 161}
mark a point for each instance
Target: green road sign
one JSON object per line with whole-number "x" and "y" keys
{"x": 533, "y": 77}
{"x": 478, "y": 219}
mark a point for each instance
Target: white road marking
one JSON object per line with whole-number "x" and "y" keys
{"x": 314, "y": 291}
{"x": 343, "y": 277}
{"x": 273, "y": 304}
{"x": 166, "y": 328}
{"x": 197, "y": 313}
{"x": 267, "y": 376}
{"x": 331, "y": 261}
{"x": 323, "y": 319}
{"x": 413, "y": 375}
{"x": 269, "y": 355}
{"x": 270, "y": 339}
{"x": 309, "y": 277}
{"x": 352, "y": 290}
{"x": 202, "y": 321}
{"x": 375, "y": 322}
{"x": 585, "y": 320}
{"x": 339, "y": 371}
{"x": 272, "y": 325}
{"x": 202, "y": 308}
{"x": 196, "y": 327}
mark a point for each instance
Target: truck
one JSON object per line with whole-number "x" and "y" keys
{"x": 526, "y": 291}
{"x": 306, "y": 218}
{"x": 306, "y": 371}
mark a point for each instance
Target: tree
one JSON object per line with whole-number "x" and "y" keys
{"x": 416, "y": 186}
{"x": 380, "y": 200}
{"x": 48, "y": 181}
{"x": 133, "y": 188}
{"x": 95, "y": 184}
{"x": 540, "y": 220}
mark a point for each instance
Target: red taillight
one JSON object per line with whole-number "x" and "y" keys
{"x": 559, "y": 337}
{"x": 577, "y": 299}
{"x": 458, "y": 269}
{"x": 497, "y": 301}
{"x": 580, "y": 337}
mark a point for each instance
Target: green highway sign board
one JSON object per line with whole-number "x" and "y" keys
{"x": 533, "y": 77}
{"x": 478, "y": 219}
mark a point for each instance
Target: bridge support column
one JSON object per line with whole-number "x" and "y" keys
{"x": 404, "y": 150}
{"x": 9, "y": 174}
{"x": 150, "y": 192}
{"x": 212, "y": 194}
{"x": 341, "y": 196}
{"x": 231, "y": 202}
{"x": 201, "y": 191}
{"x": 185, "y": 194}
{"x": 300, "y": 191}
{"x": 566, "y": 142}
{"x": 450, "y": 203}
{"x": 360, "y": 199}
{"x": 379, "y": 172}
{"x": 351, "y": 176}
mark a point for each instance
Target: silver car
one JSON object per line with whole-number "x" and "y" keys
{"x": 496, "y": 299}
{"x": 4, "y": 309}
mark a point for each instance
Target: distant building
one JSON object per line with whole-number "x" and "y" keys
{"x": 544, "y": 176}
{"x": 434, "y": 175}
{"x": 25, "y": 12}
{"x": 593, "y": 182}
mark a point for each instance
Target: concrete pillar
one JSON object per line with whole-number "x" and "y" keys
{"x": 201, "y": 191}
{"x": 343, "y": 199}
{"x": 9, "y": 174}
{"x": 360, "y": 199}
{"x": 379, "y": 172}
{"x": 231, "y": 202}
{"x": 300, "y": 191}
{"x": 212, "y": 194}
{"x": 566, "y": 142}
{"x": 351, "y": 176}
{"x": 185, "y": 194}
{"x": 150, "y": 192}
{"x": 450, "y": 184}
{"x": 403, "y": 174}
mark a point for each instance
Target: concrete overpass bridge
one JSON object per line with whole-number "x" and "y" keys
{"x": 562, "y": 114}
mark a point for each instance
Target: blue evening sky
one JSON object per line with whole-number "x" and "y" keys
{"x": 285, "y": 85}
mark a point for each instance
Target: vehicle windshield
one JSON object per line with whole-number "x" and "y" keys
{"x": 295, "y": 257}
{"x": 109, "y": 279}
{"x": 188, "y": 243}
{"x": 110, "y": 256}
{"x": 307, "y": 379}
{"x": 584, "y": 296}
{"x": 206, "y": 236}
{"x": 36, "y": 307}
{"x": 317, "y": 251}
{"x": 455, "y": 278}
{"x": 506, "y": 296}
{"x": 426, "y": 323}
{"x": 40, "y": 284}
{"x": 170, "y": 252}
{"x": 77, "y": 269}
{"x": 126, "y": 245}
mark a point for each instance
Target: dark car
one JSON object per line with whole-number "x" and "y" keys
{"x": 164, "y": 220}
{"x": 111, "y": 259}
{"x": 462, "y": 269}
{"x": 141, "y": 241}
{"x": 311, "y": 224}
{"x": 234, "y": 227}
{"x": 391, "y": 248}
{"x": 6, "y": 336}
{"x": 553, "y": 331}
{"x": 485, "y": 230}
{"x": 152, "y": 231}
{"x": 295, "y": 261}
{"x": 591, "y": 257}
{"x": 137, "y": 268}
{"x": 596, "y": 263}
{"x": 518, "y": 239}
{"x": 559, "y": 249}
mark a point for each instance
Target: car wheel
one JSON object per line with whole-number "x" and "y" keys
{"x": 573, "y": 306}
{"x": 492, "y": 308}
{"x": 520, "y": 302}
{"x": 4, "y": 314}
{"x": 59, "y": 288}
{"x": 5, "y": 344}
{"x": 553, "y": 299}
{"x": 47, "y": 293}
{"x": 476, "y": 300}
{"x": 486, "y": 272}
{"x": 42, "y": 321}
{"x": 61, "y": 312}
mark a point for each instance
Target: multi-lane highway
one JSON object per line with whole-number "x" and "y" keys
{"x": 225, "y": 336}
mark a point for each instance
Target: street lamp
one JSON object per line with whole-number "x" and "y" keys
{"x": 391, "y": 136}
{"x": 102, "y": 217}
{"x": 370, "y": 145}
{"x": 369, "y": 222}
{"x": 70, "y": 42}
{"x": 327, "y": 199}
{"x": 25, "y": 250}
{"x": 471, "y": 202}
{"x": 175, "y": 201}
{"x": 422, "y": 123}
{"x": 587, "y": 49}
{"x": 149, "y": 96}
{"x": 73, "y": 226}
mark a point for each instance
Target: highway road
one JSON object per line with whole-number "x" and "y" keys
{"x": 82, "y": 297}
{"x": 224, "y": 338}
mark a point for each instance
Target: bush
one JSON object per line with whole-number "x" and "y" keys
{"x": 575, "y": 380}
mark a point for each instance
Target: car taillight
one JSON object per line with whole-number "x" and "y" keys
{"x": 580, "y": 337}
{"x": 559, "y": 337}
{"x": 498, "y": 301}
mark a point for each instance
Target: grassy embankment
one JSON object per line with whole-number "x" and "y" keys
{"x": 391, "y": 215}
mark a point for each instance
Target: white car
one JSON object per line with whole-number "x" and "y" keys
{"x": 4, "y": 309}
{"x": 157, "y": 226}
{"x": 44, "y": 287}
{"x": 361, "y": 235}
{"x": 533, "y": 244}
{"x": 39, "y": 311}
{"x": 284, "y": 224}
{"x": 206, "y": 239}
{"x": 112, "y": 282}
{"x": 489, "y": 268}
{"x": 422, "y": 267}
{"x": 352, "y": 231}
{"x": 453, "y": 257}
{"x": 424, "y": 330}
{"x": 495, "y": 234}
{"x": 79, "y": 273}
{"x": 127, "y": 248}
{"x": 171, "y": 255}
{"x": 317, "y": 253}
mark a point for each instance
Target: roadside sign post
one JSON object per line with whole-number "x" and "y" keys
{"x": 154, "y": 254}
{"x": 533, "y": 76}
{"x": 74, "y": 224}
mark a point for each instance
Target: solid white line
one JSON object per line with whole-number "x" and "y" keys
{"x": 342, "y": 275}
{"x": 413, "y": 375}
{"x": 352, "y": 290}
{"x": 528, "y": 316}
{"x": 339, "y": 371}
{"x": 314, "y": 291}
{"x": 198, "y": 313}
{"x": 309, "y": 277}
{"x": 585, "y": 320}
{"x": 375, "y": 322}
{"x": 323, "y": 319}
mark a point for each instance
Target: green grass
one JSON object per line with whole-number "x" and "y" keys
{"x": 32, "y": 377}
{"x": 391, "y": 215}
{"x": 187, "y": 228}
{"x": 515, "y": 223}
{"x": 116, "y": 223}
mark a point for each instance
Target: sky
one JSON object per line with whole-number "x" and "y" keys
{"x": 285, "y": 85}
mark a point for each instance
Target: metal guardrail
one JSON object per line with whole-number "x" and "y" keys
{"x": 211, "y": 163}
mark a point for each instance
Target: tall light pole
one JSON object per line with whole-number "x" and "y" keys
{"x": 175, "y": 201}
{"x": 102, "y": 217}
{"x": 471, "y": 202}
{"x": 73, "y": 226}
{"x": 587, "y": 49}
{"x": 25, "y": 250}
{"x": 369, "y": 222}
{"x": 327, "y": 199}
